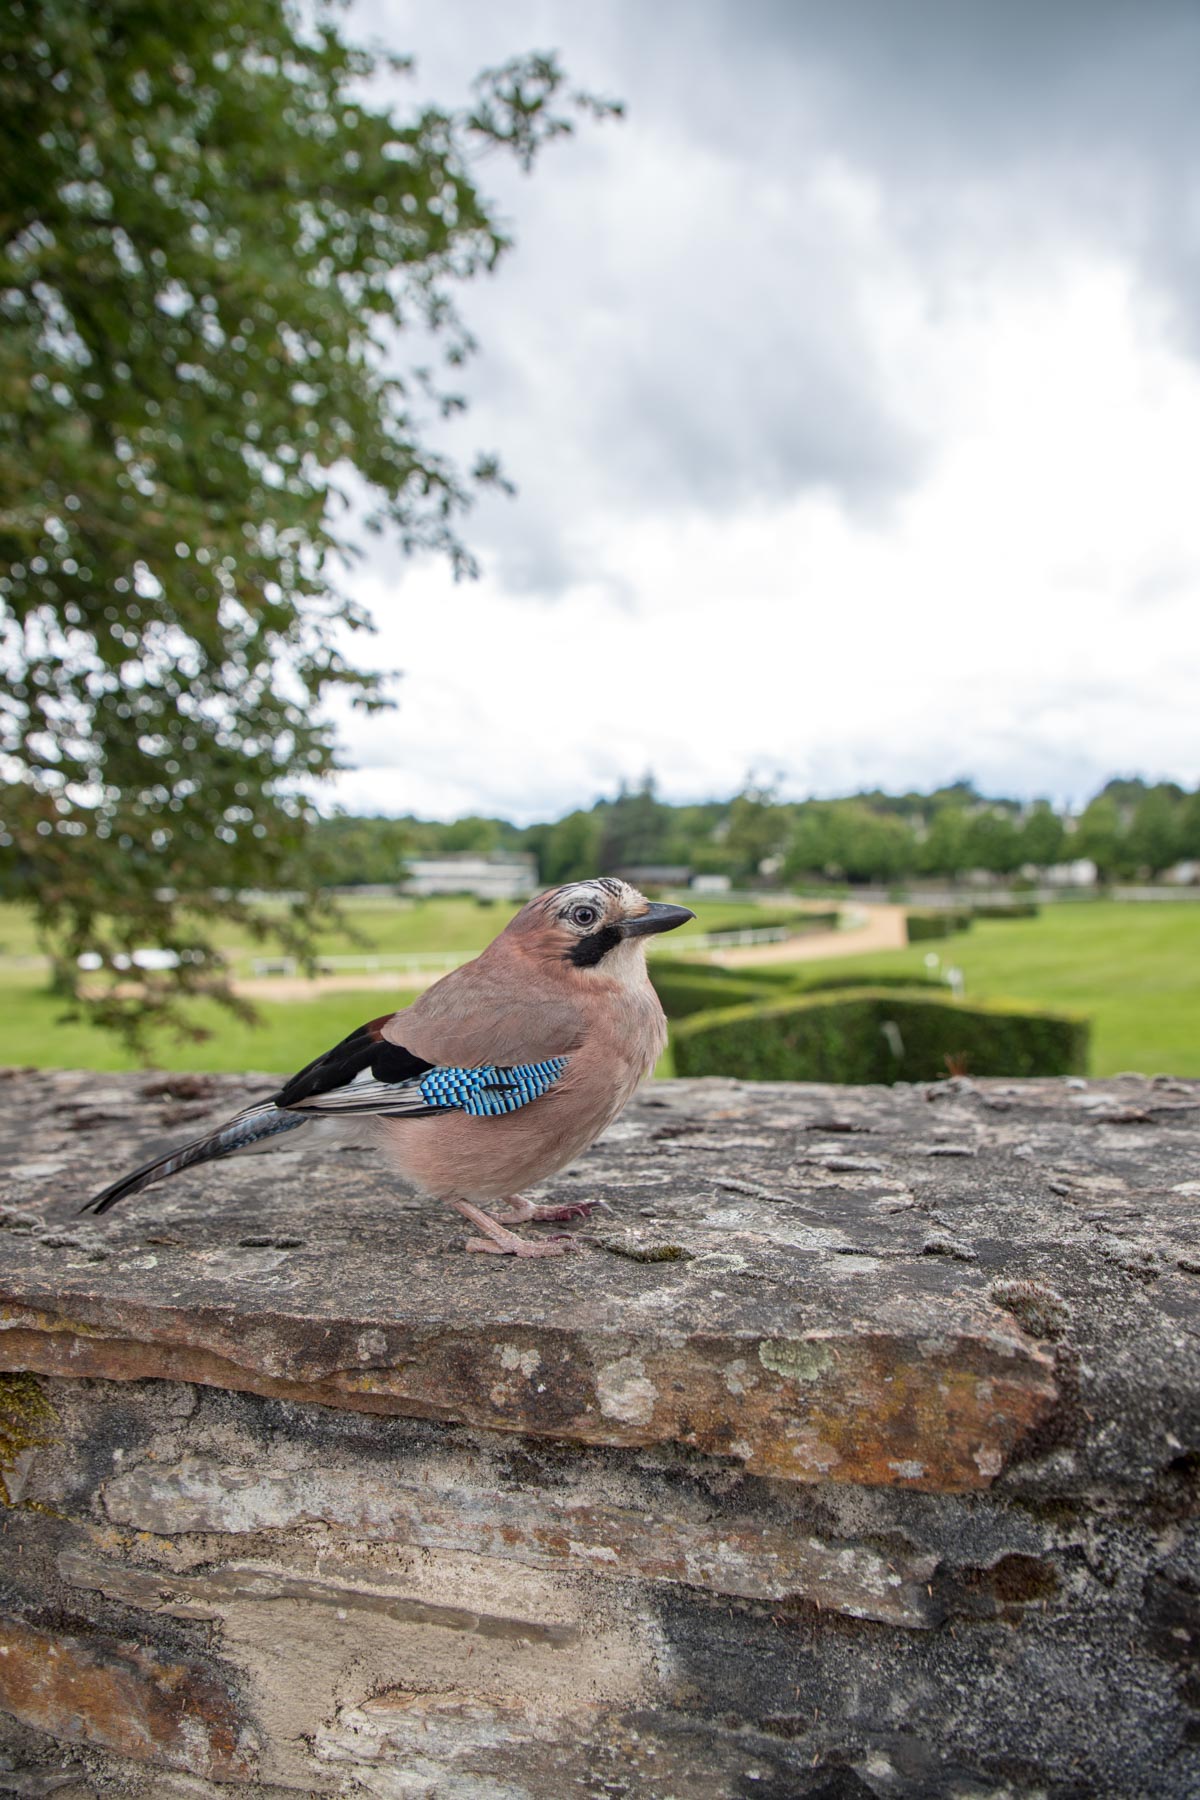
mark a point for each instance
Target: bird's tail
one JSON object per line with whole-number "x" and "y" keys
{"x": 260, "y": 1121}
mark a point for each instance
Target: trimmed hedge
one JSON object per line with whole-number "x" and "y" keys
{"x": 935, "y": 922}
{"x": 686, "y": 987}
{"x": 762, "y": 920}
{"x": 781, "y": 977}
{"x": 1006, "y": 909}
{"x": 818, "y": 984}
{"x": 841, "y": 1037}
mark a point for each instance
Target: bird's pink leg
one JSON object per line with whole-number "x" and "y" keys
{"x": 523, "y": 1210}
{"x": 497, "y": 1241}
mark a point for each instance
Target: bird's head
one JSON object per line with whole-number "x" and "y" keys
{"x": 599, "y": 924}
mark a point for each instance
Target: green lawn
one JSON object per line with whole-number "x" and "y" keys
{"x": 389, "y": 927}
{"x": 290, "y": 1033}
{"x": 1133, "y": 969}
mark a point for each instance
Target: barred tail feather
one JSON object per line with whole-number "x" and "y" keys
{"x": 261, "y": 1121}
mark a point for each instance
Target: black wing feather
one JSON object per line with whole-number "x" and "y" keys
{"x": 260, "y": 1121}
{"x": 364, "y": 1049}
{"x": 365, "y": 1052}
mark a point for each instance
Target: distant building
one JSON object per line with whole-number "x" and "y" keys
{"x": 655, "y": 875}
{"x": 1081, "y": 873}
{"x": 1183, "y": 874}
{"x": 710, "y": 884}
{"x": 504, "y": 875}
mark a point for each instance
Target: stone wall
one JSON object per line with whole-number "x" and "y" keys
{"x": 857, "y": 1454}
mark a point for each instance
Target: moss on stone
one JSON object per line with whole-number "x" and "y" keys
{"x": 24, "y": 1414}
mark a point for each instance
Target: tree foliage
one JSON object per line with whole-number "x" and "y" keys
{"x": 849, "y": 840}
{"x": 864, "y": 837}
{"x": 634, "y": 827}
{"x": 1100, "y": 835}
{"x": 1155, "y": 836}
{"x": 756, "y": 827}
{"x": 568, "y": 850}
{"x": 214, "y": 248}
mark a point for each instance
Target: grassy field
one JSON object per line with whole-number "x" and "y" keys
{"x": 288, "y": 1035}
{"x": 386, "y": 927}
{"x": 290, "y": 1032}
{"x": 1134, "y": 969}
{"x": 383, "y": 926}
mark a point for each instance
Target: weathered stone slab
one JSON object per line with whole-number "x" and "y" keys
{"x": 881, "y": 1480}
{"x": 571, "y": 1526}
{"x": 116, "y": 1694}
{"x": 816, "y": 1322}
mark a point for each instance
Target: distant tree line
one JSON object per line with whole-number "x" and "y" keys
{"x": 1131, "y": 829}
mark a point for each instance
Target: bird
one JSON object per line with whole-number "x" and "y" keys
{"x": 497, "y": 1076}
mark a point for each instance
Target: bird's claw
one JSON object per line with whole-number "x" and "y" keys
{"x": 573, "y": 1209}
{"x": 555, "y": 1246}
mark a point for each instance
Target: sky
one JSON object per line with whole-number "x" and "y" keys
{"x": 851, "y": 389}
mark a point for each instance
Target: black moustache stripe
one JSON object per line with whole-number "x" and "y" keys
{"x": 592, "y": 949}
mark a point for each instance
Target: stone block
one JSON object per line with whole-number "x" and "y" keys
{"x": 858, "y": 1454}
{"x": 118, "y": 1695}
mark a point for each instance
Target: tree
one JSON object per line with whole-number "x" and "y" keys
{"x": 1154, "y": 839}
{"x": 634, "y": 828}
{"x": 869, "y": 846}
{"x": 993, "y": 841}
{"x": 568, "y": 850}
{"x": 1100, "y": 835}
{"x": 470, "y": 834}
{"x": 848, "y": 838}
{"x": 757, "y": 827}
{"x": 1043, "y": 836}
{"x": 1189, "y": 826}
{"x": 944, "y": 850}
{"x": 810, "y": 849}
{"x": 371, "y": 850}
{"x": 210, "y": 236}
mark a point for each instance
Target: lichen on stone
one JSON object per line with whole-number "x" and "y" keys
{"x": 24, "y": 1412}
{"x": 797, "y": 1360}
{"x": 1035, "y": 1306}
{"x": 643, "y": 1250}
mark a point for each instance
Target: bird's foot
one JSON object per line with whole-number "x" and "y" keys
{"x": 519, "y": 1210}
{"x": 575, "y": 1209}
{"x": 523, "y": 1211}
{"x": 555, "y": 1246}
{"x": 499, "y": 1241}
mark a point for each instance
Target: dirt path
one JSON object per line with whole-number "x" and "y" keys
{"x": 882, "y": 928}
{"x": 300, "y": 987}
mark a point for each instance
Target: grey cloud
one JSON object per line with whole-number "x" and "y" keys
{"x": 697, "y": 346}
{"x": 1063, "y": 116}
{"x": 947, "y": 85}
{"x": 704, "y": 348}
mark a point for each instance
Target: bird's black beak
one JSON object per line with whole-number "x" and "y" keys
{"x": 657, "y": 917}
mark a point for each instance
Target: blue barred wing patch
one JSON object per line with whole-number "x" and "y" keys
{"x": 490, "y": 1091}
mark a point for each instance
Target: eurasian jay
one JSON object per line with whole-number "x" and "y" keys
{"x": 500, "y": 1074}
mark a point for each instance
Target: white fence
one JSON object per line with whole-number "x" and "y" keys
{"x": 421, "y": 961}
{"x": 416, "y": 961}
{"x": 727, "y": 940}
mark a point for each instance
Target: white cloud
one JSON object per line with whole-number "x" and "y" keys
{"x": 861, "y": 475}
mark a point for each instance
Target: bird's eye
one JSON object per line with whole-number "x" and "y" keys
{"x": 584, "y": 915}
